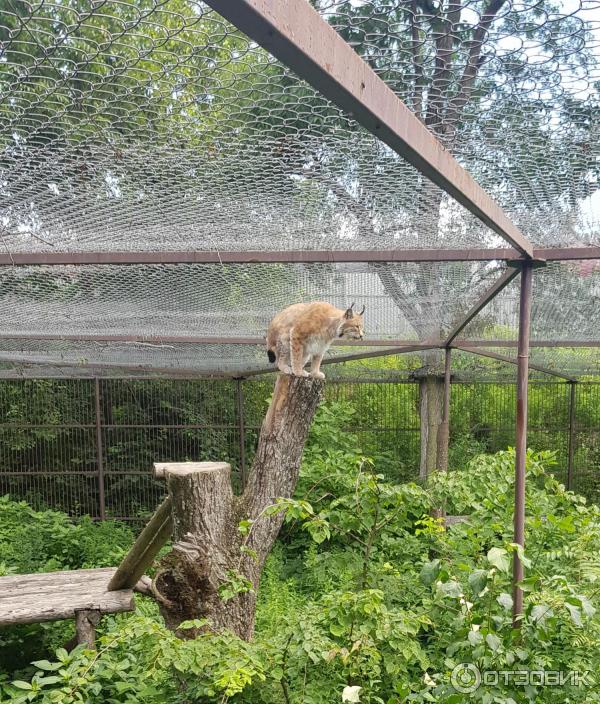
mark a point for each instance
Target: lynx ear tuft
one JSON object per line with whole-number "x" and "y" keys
{"x": 349, "y": 312}
{"x": 362, "y": 311}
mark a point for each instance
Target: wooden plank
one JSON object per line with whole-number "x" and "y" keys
{"x": 63, "y": 579}
{"x": 147, "y": 546}
{"x": 59, "y": 595}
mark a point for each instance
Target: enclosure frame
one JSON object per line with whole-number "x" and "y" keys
{"x": 297, "y": 35}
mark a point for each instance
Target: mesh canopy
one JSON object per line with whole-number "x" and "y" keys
{"x": 565, "y": 302}
{"x": 157, "y": 126}
{"x": 212, "y": 300}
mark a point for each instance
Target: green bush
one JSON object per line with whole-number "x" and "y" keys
{"x": 45, "y": 541}
{"x": 366, "y": 594}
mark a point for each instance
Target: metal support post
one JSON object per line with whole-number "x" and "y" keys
{"x": 242, "y": 431}
{"x": 572, "y": 431}
{"x": 443, "y": 438}
{"x": 521, "y": 436}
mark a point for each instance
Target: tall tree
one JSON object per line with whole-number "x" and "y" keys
{"x": 509, "y": 89}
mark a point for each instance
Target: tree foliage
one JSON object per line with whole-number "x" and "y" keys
{"x": 366, "y": 595}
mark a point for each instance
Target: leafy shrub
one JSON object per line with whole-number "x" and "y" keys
{"x": 367, "y": 595}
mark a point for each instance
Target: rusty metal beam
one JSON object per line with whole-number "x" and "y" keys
{"x": 187, "y": 339}
{"x": 416, "y": 347}
{"x": 487, "y": 296}
{"x": 298, "y": 36}
{"x": 532, "y": 343}
{"x": 177, "y": 372}
{"x": 509, "y": 360}
{"x": 224, "y": 340}
{"x": 387, "y": 256}
{"x": 338, "y": 359}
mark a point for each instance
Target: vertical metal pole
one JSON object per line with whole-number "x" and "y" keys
{"x": 242, "y": 431}
{"x": 443, "y": 438}
{"x": 521, "y": 433}
{"x": 99, "y": 451}
{"x": 571, "y": 450}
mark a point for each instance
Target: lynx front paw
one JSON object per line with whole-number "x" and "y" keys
{"x": 317, "y": 375}
{"x": 301, "y": 373}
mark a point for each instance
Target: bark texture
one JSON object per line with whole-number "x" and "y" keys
{"x": 85, "y": 627}
{"x": 431, "y": 395}
{"x": 207, "y": 551}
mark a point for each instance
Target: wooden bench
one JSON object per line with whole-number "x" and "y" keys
{"x": 85, "y": 595}
{"x": 51, "y": 596}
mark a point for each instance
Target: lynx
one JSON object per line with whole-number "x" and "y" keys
{"x": 304, "y": 331}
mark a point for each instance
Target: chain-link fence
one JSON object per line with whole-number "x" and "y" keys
{"x": 87, "y": 446}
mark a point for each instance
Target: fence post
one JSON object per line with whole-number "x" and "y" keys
{"x": 572, "y": 438}
{"x": 99, "y": 451}
{"x": 443, "y": 438}
{"x": 241, "y": 430}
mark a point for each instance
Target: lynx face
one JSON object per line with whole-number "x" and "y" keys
{"x": 352, "y": 329}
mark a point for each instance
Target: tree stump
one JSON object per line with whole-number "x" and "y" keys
{"x": 206, "y": 515}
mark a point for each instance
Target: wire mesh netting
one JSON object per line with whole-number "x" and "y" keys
{"x": 57, "y": 452}
{"x": 188, "y": 300}
{"x": 158, "y": 126}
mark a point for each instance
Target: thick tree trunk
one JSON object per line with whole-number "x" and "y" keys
{"x": 209, "y": 550}
{"x": 431, "y": 395}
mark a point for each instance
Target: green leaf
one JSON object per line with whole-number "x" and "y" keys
{"x": 540, "y": 612}
{"x": 336, "y": 628}
{"x": 505, "y": 600}
{"x": 493, "y": 641}
{"x": 46, "y": 665}
{"x": 587, "y": 607}
{"x": 62, "y": 655}
{"x": 529, "y": 584}
{"x": 498, "y": 558}
{"x": 245, "y": 550}
{"x": 575, "y": 614}
{"x": 245, "y": 526}
{"x": 319, "y": 530}
{"x": 521, "y": 554}
{"x": 19, "y": 684}
{"x": 474, "y": 638}
{"x": 53, "y": 679}
{"x": 276, "y": 673}
{"x": 193, "y": 623}
{"x": 478, "y": 581}
{"x": 451, "y": 589}
{"x": 430, "y": 572}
